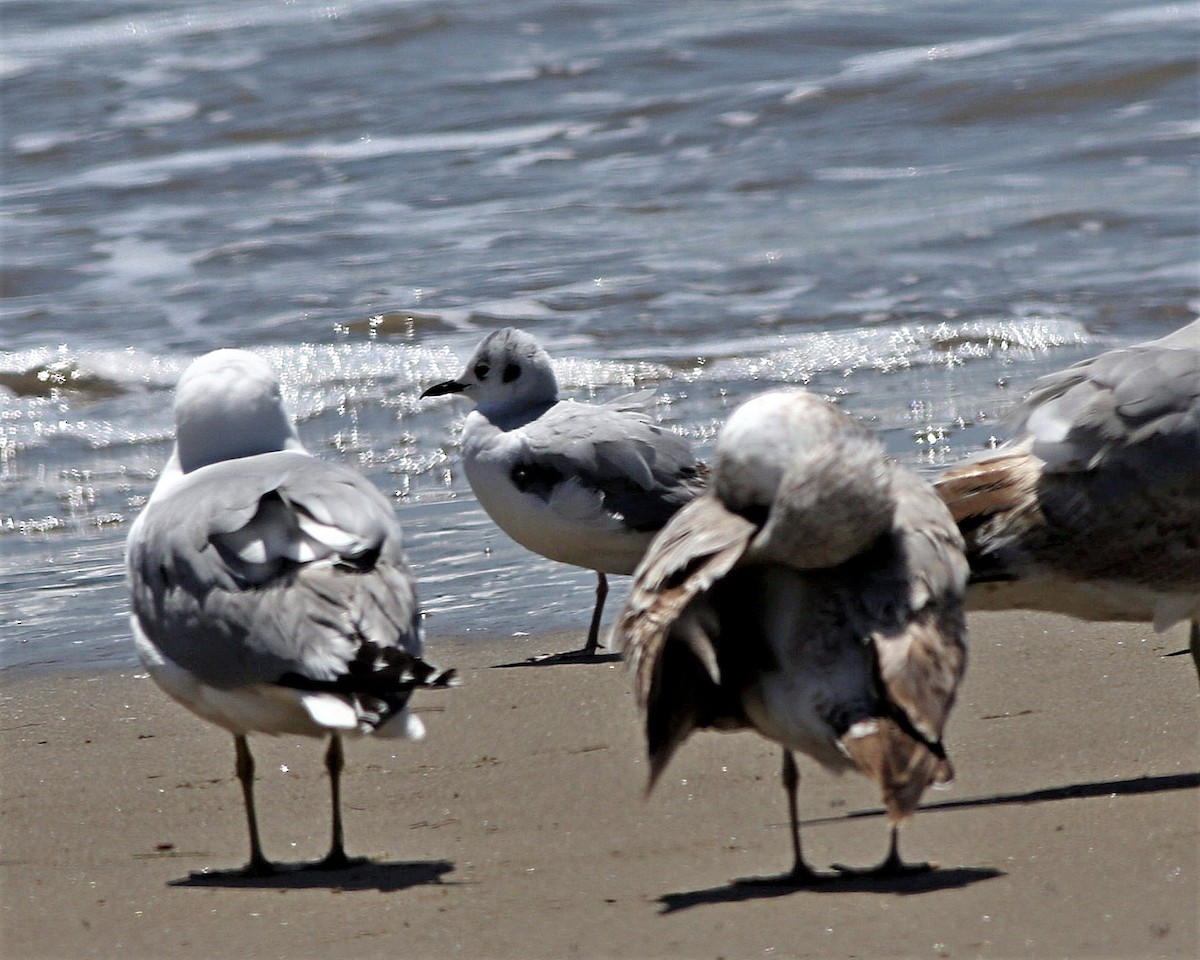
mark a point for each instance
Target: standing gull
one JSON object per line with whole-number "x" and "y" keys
{"x": 813, "y": 594}
{"x": 584, "y": 484}
{"x": 270, "y": 589}
{"x": 1093, "y": 509}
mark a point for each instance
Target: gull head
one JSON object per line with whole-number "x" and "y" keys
{"x": 227, "y": 406}
{"x": 813, "y": 479}
{"x": 508, "y": 373}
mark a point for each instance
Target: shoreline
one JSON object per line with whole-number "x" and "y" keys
{"x": 518, "y": 827}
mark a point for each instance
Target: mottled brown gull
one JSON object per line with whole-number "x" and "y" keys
{"x": 814, "y": 595}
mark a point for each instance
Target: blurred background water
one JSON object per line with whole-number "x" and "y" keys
{"x": 914, "y": 207}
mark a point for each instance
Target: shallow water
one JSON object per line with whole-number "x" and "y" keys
{"x": 913, "y": 207}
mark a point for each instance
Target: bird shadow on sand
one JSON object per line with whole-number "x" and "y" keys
{"x": 560, "y": 659}
{"x": 1133, "y": 786}
{"x": 381, "y": 876}
{"x": 935, "y": 880}
{"x": 948, "y": 878}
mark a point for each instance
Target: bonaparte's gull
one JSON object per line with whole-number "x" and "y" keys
{"x": 813, "y": 594}
{"x": 270, "y": 589}
{"x": 584, "y": 484}
{"x": 1093, "y": 508}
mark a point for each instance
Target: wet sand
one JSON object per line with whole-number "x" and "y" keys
{"x": 519, "y": 828}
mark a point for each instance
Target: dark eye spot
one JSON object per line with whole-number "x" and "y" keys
{"x": 511, "y": 372}
{"x": 482, "y": 370}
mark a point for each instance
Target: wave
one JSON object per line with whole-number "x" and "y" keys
{"x": 163, "y": 169}
{"x": 190, "y": 20}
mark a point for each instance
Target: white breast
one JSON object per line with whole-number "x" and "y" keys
{"x": 571, "y": 526}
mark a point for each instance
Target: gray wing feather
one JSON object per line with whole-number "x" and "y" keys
{"x": 644, "y": 471}
{"x": 1099, "y": 408}
{"x": 273, "y": 565}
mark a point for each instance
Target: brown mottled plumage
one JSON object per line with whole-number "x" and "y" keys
{"x": 813, "y": 594}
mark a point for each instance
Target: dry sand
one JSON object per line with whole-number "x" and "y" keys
{"x": 518, "y": 828}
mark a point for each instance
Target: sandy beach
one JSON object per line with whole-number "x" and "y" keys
{"x": 519, "y": 828}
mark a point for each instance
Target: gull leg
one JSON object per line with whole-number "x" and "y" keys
{"x": 259, "y": 865}
{"x": 335, "y": 761}
{"x": 589, "y": 653}
{"x": 801, "y": 873}
{"x": 593, "y": 639}
{"x": 892, "y": 865}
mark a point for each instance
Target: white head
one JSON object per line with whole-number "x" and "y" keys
{"x": 227, "y": 406}
{"x": 815, "y": 479}
{"x": 508, "y": 373}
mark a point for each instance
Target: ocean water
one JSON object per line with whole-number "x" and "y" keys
{"x": 915, "y": 208}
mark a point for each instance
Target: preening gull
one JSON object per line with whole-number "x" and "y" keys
{"x": 270, "y": 589}
{"x": 584, "y": 484}
{"x": 1093, "y": 508}
{"x": 813, "y": 594}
